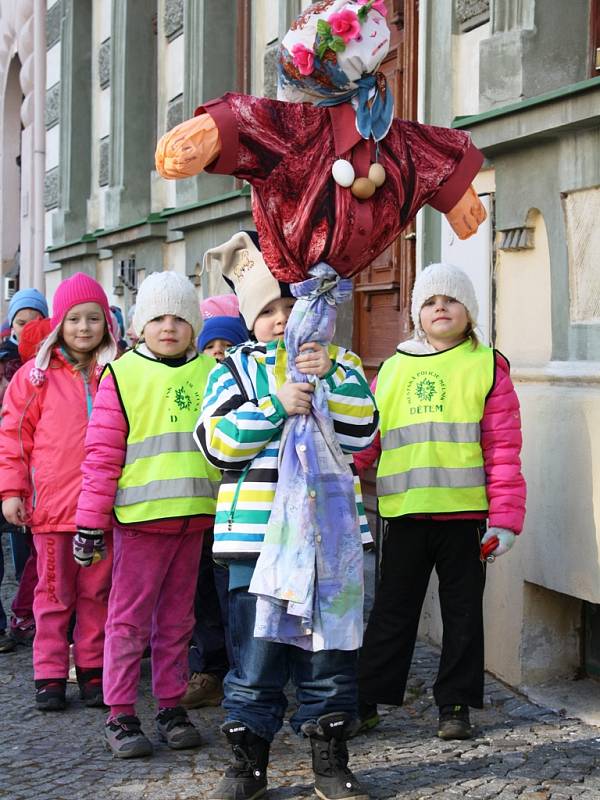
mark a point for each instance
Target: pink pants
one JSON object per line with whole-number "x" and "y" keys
{"x": 63, "y": 588}
{"x": 22, "y": 605}
{"x": 151, "y": 600}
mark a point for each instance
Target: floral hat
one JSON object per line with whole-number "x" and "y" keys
{"x": 330, "y": 56}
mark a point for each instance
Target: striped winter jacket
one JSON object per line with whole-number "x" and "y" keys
{"x": 240, "y": 428}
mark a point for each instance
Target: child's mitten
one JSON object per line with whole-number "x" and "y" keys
{"x": 506, "y": 539}
{"x": 88, "y": 547}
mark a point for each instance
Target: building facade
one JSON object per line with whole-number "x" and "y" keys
{"x": 524, "y": 77}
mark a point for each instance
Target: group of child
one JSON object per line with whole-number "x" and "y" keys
{"x": 173, "y": 445}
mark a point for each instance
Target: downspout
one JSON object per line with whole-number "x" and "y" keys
{"x": 39, "y": 141}
{"x": 421, "y": 84}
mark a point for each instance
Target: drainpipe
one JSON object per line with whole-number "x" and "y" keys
{"x": 39, "y": 141}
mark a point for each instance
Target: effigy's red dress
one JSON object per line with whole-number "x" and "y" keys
{"x": 286, "y": 150}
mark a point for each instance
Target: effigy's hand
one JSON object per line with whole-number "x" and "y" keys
{"x": 467, "y": 215}
{"x": 313, "y": 359}
{"x": 296, "y": 397}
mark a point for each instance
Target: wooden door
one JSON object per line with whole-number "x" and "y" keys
{"x": 382, "y": 291}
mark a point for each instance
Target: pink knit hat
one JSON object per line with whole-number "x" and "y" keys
{"x": 220, "y": 305}
{"x": 79, "y": 288}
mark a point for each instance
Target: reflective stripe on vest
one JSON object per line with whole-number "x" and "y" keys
{"x": 430, "y": 412}
{"x": 165, "y": 475}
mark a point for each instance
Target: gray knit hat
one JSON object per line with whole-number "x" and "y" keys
{"x": 443, "y": 279}
{"x": 163, "y": 293}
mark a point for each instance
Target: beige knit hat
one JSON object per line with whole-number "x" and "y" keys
{"x": 163, "y": 293}
{"x": 244, "y": 269}
{"x": 443, "y": 279}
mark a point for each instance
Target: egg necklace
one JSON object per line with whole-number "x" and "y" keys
{"x": 344, "y": 175}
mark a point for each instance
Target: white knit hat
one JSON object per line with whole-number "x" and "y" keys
{"x": 163, "y": 293}
{"x": 244, "y": 269}
{"x": 443, "y": 279}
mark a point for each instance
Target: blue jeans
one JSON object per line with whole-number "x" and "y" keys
{"x": 325, "y": 681}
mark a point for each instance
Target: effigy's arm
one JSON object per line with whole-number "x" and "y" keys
{"x": 188, "y": 148}
{"x": 467, "y": 215}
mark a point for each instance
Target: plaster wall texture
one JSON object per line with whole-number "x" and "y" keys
{"x": 174, "y": 68}
{"x": 52, "y": 147}
{"x": 465, "y": 70}
{"x": 523, "y": 299}
{"x": 53, "y": 58}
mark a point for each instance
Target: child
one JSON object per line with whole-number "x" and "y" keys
{"x": 25, "y": 305}
{"x": 44, "y": 419}
{"x": 448, "y": 459}
{"x": 220, "y": 333}
{"x": 247, "y": 402}
{"x": 143, "y": 467}
{"x": 210, "y": 649}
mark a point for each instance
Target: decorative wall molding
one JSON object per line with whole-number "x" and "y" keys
{"x": 516, "y": 239}
{"x": 52, "y": 110}
{"x": 51, "y": 188}
{"x": 175, "y": 112}
{"x": 471, "y": 13}
{"x": 104, "y": 64}
{"x": 53, "y": 24}
{"x": 173, "y": 19}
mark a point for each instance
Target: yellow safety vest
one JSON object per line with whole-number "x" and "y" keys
{"x": 165, "y": 475}
{"x": 430, "y": 410}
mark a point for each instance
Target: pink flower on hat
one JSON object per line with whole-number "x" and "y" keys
{"x": 377, "y": 5}
{"x": 345, "y": 24}
{"x": 303, "y": 58}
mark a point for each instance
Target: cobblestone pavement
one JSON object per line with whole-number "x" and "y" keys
{"x": 520, "y": 750}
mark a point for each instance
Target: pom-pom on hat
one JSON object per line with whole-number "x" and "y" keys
{"x": 444, "y": 279}
{"x": 230, "y": 329}
{"x": 163, "y": 293}
{"x": 79, "y": 288}
{"x": 27, "y": 298}
{"x": 245, "y": 270}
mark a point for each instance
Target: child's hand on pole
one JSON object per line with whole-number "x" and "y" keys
{"x": 313, "y": 359}
{"x": 296, "y": 397}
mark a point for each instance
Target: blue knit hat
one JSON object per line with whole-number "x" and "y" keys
{"x": 231, "y": 329}
{"x": 27, "y": 298}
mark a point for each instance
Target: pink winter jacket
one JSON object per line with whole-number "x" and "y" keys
{"x": 42, "y": 434}
{"x": 105, "y": 452}
{"x": 501, "y": 442}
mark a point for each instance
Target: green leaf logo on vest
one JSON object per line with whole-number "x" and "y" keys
{"x": 182, "y": 398}
{"x": 425, "y": 393}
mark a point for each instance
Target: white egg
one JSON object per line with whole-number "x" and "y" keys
{"x": 343, "y": 172}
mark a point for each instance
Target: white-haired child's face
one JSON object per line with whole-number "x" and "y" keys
{"x": 444, "y": 320}
{"x": 270, "y": 323}
{"x": 168, "y": 336}
{"x": 83, "y": 329}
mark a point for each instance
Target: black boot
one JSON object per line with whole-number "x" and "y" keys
{"x": 333, "y": 779}
{"x": 246, "y": 779}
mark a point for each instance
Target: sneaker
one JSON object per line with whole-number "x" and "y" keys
{"x": 174, "y": 727}
{"x": 369, "y": 718}
{"x": 22, "y": 630}
{"x": 203, "y": 690}
{"x": 90, "y": 686}
{"x": 123, "y": 735}
{"x": 50, "y": 694}
{"x": 455, "y": 723}
{"x": 7, "y": 643}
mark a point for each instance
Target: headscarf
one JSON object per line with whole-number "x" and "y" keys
{"x": 330, "y": 56}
